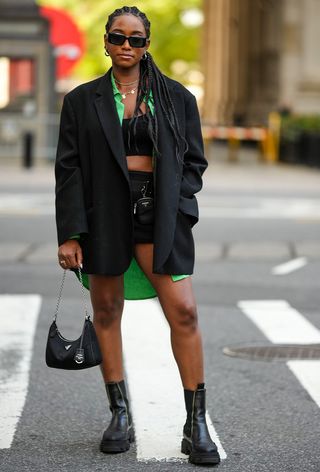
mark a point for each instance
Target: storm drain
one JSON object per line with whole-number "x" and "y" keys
{"x": 282, "y": 352}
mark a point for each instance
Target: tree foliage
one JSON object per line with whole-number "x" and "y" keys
{"x": 170, "y": 38}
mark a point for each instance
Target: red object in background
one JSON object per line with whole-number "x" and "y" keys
{"x": 21, "y": 81}
{"x": 66, "y": 38}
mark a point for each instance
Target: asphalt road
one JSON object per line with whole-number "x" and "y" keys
{"x": 254, "y": 218}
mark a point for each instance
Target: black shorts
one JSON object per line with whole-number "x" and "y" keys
{"x": 141, "y": 185}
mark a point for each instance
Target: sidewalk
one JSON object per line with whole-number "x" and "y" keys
{"x": 248, "y": 174}
{"x": 251, "y": 175}
{"x": 15, "y": 176}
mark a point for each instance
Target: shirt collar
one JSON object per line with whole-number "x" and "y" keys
{"x": 115, "y": 89}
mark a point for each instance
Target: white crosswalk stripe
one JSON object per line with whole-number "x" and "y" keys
{"x": 19, "y": 315}
{"x": 154, "y": 384}
{"x": 282, "y": 324}
{"x": 308, "y": 373}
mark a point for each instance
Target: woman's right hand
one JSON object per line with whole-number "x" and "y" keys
{"x": 70, "y": 254}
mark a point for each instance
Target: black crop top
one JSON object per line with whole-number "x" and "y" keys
{"x": 140, "y": 144}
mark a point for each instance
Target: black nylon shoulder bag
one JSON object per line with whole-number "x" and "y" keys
{"x": 62, "y": 353}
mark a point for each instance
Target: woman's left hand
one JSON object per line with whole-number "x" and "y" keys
{"x": 70, "y": 254}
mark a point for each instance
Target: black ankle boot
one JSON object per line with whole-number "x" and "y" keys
{"x": 119, "y": 434}
{"x": 196, "y": 440}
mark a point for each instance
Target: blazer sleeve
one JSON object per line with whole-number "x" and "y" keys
{"x": 195, "y": 162}
{"x": 69, "y": 194}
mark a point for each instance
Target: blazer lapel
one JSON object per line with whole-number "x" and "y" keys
{"x": 108, "y": 116}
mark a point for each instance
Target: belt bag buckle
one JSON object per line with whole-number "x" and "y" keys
{"x": 144, "y": 210}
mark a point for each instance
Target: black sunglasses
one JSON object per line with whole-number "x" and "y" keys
{"x": 134, "y": 41}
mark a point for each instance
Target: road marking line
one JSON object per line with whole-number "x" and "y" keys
{"x": 308, "y": 373}
{"x": 154, "y": 383}
{"x": 280, "y": 322}
{"x": 289, "y": 266}
{"x": 18, "y": 314}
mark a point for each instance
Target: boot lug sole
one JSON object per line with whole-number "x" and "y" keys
{"x": 113, "y": 446}
{"x": 198, "y": 457}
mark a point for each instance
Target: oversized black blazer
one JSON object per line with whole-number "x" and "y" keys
{"x": 93, "y": 189}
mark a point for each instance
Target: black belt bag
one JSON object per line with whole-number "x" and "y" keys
{"x": 143, "y": 209}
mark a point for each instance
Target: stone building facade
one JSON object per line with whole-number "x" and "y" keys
{"x": 258, "y": 56}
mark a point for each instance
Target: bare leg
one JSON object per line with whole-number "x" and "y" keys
{"x": 107, "y": 298}
{"x": 178, "y": 303}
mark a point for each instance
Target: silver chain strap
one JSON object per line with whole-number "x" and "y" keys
{"x": 60, "y": 295}
{"x": 84, "y": 295}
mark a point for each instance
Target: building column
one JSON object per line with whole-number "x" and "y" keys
{"x": 300, "y": 61}
{"x": 215, "y": 58}
{"x": 265, "y": 27}
{"x": 241, "y": 45}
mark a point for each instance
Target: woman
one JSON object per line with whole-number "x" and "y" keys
{"x": 129, "y": 161}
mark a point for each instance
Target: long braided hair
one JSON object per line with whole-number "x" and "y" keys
{"x": 149, "y": 73}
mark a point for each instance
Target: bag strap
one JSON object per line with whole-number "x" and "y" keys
{"x": 55, "y": 316}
